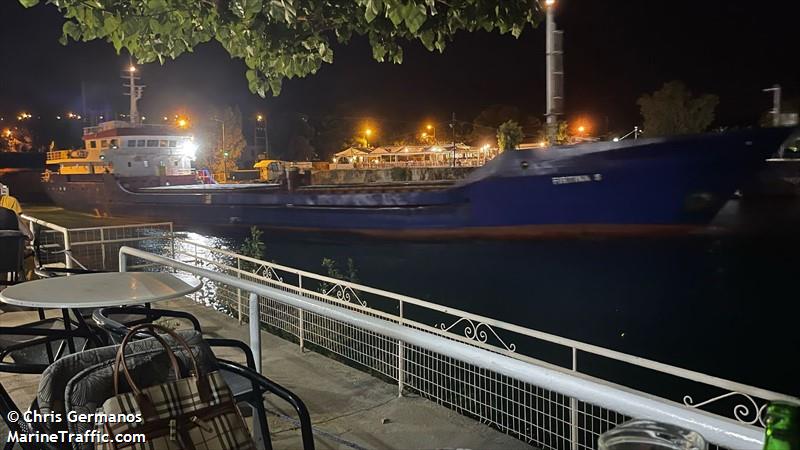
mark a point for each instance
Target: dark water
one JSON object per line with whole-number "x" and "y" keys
{"x": 724, "y": 304}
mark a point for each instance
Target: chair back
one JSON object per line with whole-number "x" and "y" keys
{"x": 8, "y": 219}
{"x": 12, "y": 255}
{"x": 83, "y": 381}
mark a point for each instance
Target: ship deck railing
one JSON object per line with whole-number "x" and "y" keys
{"x": 545, "y": 390}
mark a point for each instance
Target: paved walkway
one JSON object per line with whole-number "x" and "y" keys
{"x": 349, "y": 408}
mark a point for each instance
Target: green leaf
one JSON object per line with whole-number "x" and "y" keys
{"x": 29, "y": 3}
{"x": 427, "y": 38}
{"x": 415, "y": 15}
{"x": 110, "y": 24}
{"x": 395, "y": 14}
{"x": 378, "y": 52}
{"x": 71, "y": 29}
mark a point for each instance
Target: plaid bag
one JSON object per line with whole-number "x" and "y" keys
{"x": 193, "y": 413}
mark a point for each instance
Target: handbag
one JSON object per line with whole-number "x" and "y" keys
{"x": 192, "y": 413}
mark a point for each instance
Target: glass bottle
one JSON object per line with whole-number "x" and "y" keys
{"x": 782, "y": 426}
{"x": 639, "y": 434}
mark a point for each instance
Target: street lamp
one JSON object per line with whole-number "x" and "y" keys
{"x": 432, "y": 129}
{"x": 367, "y": 134}
{"x": 224, "y": 153}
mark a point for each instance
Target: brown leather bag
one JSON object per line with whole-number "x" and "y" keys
{"x": 193, "y": 413}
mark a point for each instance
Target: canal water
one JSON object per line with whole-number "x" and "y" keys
{"x": 720, "y": 303}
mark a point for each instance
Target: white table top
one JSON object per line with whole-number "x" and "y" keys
{"x": 96, "y": 290}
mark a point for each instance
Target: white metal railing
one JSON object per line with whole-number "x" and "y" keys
{"x": 95, "y": 247}
{"x": 549, "y": 406}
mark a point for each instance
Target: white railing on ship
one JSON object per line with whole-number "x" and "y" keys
{"x": 718, "y": 430}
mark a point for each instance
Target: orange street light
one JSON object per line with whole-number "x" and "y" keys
{"x": 581, "y": 129}
{"x": 367, "y": 134}
{"x": 432, "y": 129}
{"x": 182, "y": 123}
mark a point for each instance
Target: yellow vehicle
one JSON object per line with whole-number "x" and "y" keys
{"x": 271, "y": 170}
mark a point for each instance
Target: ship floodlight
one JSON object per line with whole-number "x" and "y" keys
{"x": 189, "y": 149}
{"x": 616, "y": 139}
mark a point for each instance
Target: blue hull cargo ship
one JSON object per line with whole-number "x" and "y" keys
{"x": 643, "y": 185}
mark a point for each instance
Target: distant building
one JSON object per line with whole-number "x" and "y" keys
{"x": 414, "y": 156}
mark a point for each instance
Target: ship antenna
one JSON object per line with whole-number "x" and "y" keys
{"x": 134, "y": 91}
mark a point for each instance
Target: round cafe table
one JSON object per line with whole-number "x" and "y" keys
{"x": 97, "y": 290}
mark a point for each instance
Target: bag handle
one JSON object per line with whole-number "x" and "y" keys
{"x": 120, "y": 357}
{"x": 151, "y": 329}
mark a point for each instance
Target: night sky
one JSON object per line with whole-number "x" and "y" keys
{"x": 614, "y": 52}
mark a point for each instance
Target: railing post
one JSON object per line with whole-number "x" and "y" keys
{"x": 255, "y": 330}
{"x": 123, "y": 262}
{"x": 301, "y": 315}
{"x": 573, "y": 405}
{"x": 400, "y": 359}
{"x": 103, "y": 248}
{"x": 239, "y": 291}
{"x": 172, "y": 240}
{"x": 67, "y": 250}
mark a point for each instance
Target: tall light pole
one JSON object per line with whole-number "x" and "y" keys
{"x": 555, "y": 71}
{"x": 135, "y": 93}
{"x": 224, "y": 152}
{"x": 260, "y": 123}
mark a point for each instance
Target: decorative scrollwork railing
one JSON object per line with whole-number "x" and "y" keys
{"x": 478, "y": 331}
{"x": 344, "y": 293}
{"x": 269, "y": 272}
{"x": 741, "y": 411}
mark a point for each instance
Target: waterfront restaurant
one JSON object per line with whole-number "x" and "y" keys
{"x": 416, "y": 156}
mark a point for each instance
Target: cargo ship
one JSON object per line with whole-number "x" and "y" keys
{"x": 645, "y": 185}
{"x": 132, "y": 169}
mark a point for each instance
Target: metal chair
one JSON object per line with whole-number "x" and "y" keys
{"x": 244, "y": 381}
{"x": 12, "y": 254}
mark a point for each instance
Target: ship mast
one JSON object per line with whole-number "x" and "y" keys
{"x": 134, "y": 92}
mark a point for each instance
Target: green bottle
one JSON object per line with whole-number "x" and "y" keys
{"x": 783, "y": 426}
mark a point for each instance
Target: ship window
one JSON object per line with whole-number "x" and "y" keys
{"x": 93, "y": 144}
{"x": 163, "y": 143}
{"x": 113, "y": 142}
{"x": 104, "y": 143}
{"x": 146, "y": 163}
{"x": 176, "y": 162}
{"x": 140, "y": 143}
{"x": 161, "y": 163}
{"x": 131, "y": 143}
{"x": 173, "y": 143}
{"x": 129, "y": 163}
{"x": 152, "y": 143}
